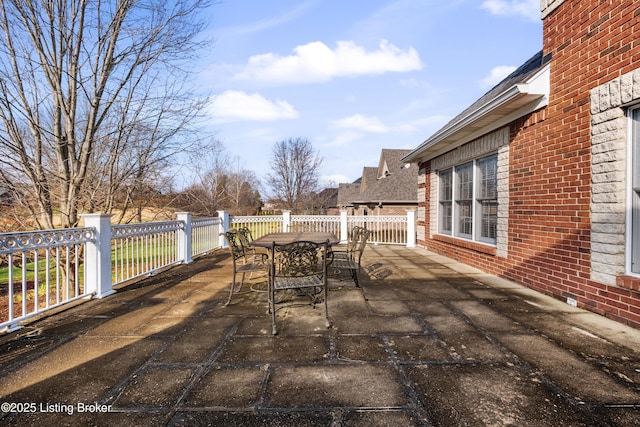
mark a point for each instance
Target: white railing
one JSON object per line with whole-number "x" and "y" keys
{"x": 385, "y": 229}
{"x": 259, "y": 225}
{"x": 41, "y": 270}
{"x": 204, "y": 235}
{"x": 141, "y": 249}
{"x": 388, "y": 229}
{"x": 329, "y": 224}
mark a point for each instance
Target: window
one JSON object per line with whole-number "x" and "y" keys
{"x": 468, "y": 200}
{"x": 464, "y": 200}
{"x": 635, "y": 192}
{"x": 446, "y": 198}
{"x": 488, "y": 198}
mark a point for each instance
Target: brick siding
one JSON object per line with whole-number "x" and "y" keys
{"x": 566, "y": 185}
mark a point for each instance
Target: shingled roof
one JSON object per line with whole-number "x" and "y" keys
{"x": 524, "y": 90}
{"x": 392, "y": 181}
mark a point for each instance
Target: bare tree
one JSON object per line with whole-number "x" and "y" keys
{"x": 241, "y": 188}
{"x": 221, "y": 183}
{"x": 91, "y": 99}
{"x": 295, "y": 168}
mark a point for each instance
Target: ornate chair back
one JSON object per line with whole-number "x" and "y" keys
{"x": 298, "y": 265}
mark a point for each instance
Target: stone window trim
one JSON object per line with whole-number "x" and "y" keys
{"x": 610, "y": 152}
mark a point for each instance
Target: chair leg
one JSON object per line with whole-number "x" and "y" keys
{"x": 326, "y": 307}
{"x": 354, "y": 276}
{"x": 233, "y": 285}
{"x": 272, "y": 308}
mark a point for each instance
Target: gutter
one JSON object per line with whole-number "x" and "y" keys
{"x": 536, "y": 88}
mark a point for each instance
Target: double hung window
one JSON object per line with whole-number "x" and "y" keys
{"x": 446, "y": 200}
{"x": 468, "y": 200}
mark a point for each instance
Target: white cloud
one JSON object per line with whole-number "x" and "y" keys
{"x": 342, "y": 139}
{"x": 527, "y": 8}
{"x": 497, "y": 75}
{"x": 362, "y": 123}
{"x": 231, "y": 106}
{"x": 316, "y": 62}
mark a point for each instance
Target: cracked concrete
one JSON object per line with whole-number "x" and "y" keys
{"x": 425, "y": 341}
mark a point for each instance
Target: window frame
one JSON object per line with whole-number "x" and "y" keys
{"x": 467, "y": 216}
{"x": 464, "y": 195}
{"x": 445, "y": 206}
{"x": 489, "y": 200}
{"x": 633, "y": 193}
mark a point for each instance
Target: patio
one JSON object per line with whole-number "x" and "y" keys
{"x": 425, "y": 341}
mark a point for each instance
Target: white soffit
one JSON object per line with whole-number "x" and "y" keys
{"x": 515, "y": 102}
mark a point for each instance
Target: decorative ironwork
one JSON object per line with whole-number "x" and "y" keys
{"x": 296, "y": 259}
{"x": 205, "y": 222}
{"x": 34, "y": 240}
{"x": 145, "y": 229}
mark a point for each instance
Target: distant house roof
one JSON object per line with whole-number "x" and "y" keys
{"x": 523, "y": 91}
{"x": 392, "y": 181}
{"x": 328, "y": 197}
{"x": 347, "y": 193}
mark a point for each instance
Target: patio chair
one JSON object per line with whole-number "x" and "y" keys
{"x": 299, "y": 267}
{"x": 243, "y": 262}
{"x": 246, "y": 239}
{"x": 344, "y": 251}
{"x": 350, "y": 259}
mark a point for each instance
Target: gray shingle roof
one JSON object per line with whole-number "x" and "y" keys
{"x": 390, "y": 182}
{"x": 504, "y": 98}
{"x": 520, "y": 75}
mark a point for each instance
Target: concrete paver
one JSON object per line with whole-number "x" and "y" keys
{"x": 425, "y": 341}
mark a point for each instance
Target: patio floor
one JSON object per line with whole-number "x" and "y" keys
{"x": 425, "y": 341}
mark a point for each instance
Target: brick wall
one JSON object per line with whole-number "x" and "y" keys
{"x": 556, "y": 221}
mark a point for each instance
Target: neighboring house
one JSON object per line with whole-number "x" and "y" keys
{"x": 539, "y": 180}
{"x": 389, "y": 189}
{"x": 327, "y": 201}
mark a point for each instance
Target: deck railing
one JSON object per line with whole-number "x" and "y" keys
{"x": 42, "y": 270}
{"x": 385, "y": 229}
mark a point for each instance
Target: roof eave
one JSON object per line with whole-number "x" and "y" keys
{"x": 518, "y": 100}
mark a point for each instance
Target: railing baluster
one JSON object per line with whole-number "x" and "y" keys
{"x": 48, "y": 276}
{"x": 10, "y": 287}
{"x": 36, "y": 273}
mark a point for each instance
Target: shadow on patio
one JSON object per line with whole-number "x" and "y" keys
{"x": 425, "y": 341}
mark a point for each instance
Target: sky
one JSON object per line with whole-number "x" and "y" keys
{"x": 353, "y": 76}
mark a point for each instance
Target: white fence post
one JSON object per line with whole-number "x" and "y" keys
{"x": 185, "y": 238}
{"x": 344, "y": 227}
{"x": 286, "y": 221}
{"x": 97, "y": 263}
{"x": 224, "y": 225}
{"x": 411, "y": 228}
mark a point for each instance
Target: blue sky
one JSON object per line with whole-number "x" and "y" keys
{"x": 354, "y": 76}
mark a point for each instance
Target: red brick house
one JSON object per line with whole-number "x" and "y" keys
{"x": 539, "y": 180}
